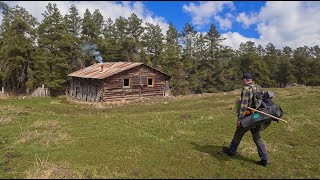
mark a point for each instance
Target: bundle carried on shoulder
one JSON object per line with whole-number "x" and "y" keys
{"x": 263, "y": 103}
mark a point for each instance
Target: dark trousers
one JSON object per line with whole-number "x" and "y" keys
{"x": 256, "y": 138}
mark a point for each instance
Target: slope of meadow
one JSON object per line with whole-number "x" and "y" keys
{"x": 179, "y": 137}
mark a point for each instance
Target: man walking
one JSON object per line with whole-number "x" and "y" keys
{"x": 246, "y": 101}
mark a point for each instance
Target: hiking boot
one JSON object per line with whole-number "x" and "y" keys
{"x": 263, "y": 162}
{"x": 227, "y": 151}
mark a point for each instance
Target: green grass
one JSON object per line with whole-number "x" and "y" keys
{"x": 162, "y": 138}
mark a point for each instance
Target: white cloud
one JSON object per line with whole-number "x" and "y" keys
{"x": 247, "y": 20}
{"x": 283, "y": 23}
{"x": 36, "y": 8}
{"x": 234, "y": 39}
{"x": 203, "y": 13}
{"x": 293, "y": 23}
{"x": 109, "y": 9}
{"x": 225, "y": 23}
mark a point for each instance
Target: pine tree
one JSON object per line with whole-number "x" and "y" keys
{"x": 17, "y": 47}
{"x": 121, "y": 25}
{"x": 250, "y": 62}
{"x": 112, "y": 47}
{"x": 214, "y": 55}
{"x": 92, "y": 35}
{"x": 153, "y": 41}
{"x": 5, "y": 24}
{"x": 134, "y": 27}
{"x": 287, "y": 51}
{"x": 98, "y": 24}
{"x": 74, "y": 21}
{"x": 285, "y": 69}
{"x": 261, "y": 51}
{"x": 315, "y": 51}
{"x": 314, "y": 74}
{"x": 54, "y": 50}
{"x": 109, "y": 30}
{"x": 6, "y": 12}
{"x": 301, "y": 59}
{"x": 284, "y": 73}
{"x": 271, "y": 59}
{"x": 88, "y": 27}
{"x": 245, "y": 48}
{"x": 131, "y": 44}
{"x": 202, "y": 71}
{"x": 315, "y": 66}
{"x": 172, "y": 64}
{"x": 214, "y": 40}
{"x": 188, "y": 37}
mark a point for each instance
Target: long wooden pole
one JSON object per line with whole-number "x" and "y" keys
{"x": 267, "y": 114}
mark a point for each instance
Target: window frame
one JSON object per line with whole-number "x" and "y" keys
{"x": 126, "y": 87}
{"x": 152, "y": 85}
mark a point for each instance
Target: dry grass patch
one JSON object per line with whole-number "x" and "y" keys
{"x": 293, "y": 91}
{"x": 251, "y": 148}
{"x": 5, "y": 120}
{"x": 191, "y": 96}
{"x": 56, "y": 102}
{"x": 98, "y": 105}
{"x": 135, "y": 150}
{"x": 8, "y": 114}
{"x": 45, "y": 132}
{"x": 5, "y": 96}
{"x": 295, "y": 121}
{"x": 103, "y": 173}
{"x": 10, "y": 108}
{"x": 43, "y": 169}
{"x": 180, "y": 132}
{"x": 46, "y": 124}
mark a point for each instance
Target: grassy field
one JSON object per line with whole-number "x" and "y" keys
{"x": 179, "y": 137}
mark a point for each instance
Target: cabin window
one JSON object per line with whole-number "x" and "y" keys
{"x": 126, "y": 83}
{"x": 150, "y": 82}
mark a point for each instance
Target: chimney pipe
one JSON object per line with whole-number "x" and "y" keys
{"x": 102, "y": 67}
{"x": 101, "y": 70}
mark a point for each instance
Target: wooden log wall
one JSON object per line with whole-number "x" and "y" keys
{"x": 113, "y": 86}
{"x": 113, "y": 89}
{"x": 159, "y": 82}
{"x": 85, "y": 89}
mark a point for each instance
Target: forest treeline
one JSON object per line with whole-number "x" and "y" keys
{"x": 33, "y": 53}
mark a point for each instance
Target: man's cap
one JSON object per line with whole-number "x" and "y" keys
{"x": 246, "y": 76}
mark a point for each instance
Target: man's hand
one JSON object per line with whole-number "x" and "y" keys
{"x": 238, "y": 123}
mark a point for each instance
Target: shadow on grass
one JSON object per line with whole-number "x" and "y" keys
{"x": 216, "y": 152}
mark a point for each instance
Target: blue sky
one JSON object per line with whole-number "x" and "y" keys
{"x": 247, "y": 6}
{"x": 173, "y": 11}
{"x": 283, "y": 23}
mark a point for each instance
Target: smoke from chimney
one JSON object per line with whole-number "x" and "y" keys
{"x": 92, "y": 50}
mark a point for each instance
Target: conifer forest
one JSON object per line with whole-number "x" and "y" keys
{"x": 33, "y": 53}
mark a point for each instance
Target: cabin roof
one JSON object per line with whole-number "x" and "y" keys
{"x": 104, "y": 70}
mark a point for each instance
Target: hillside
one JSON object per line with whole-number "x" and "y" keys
{"x": 179, "y": 137}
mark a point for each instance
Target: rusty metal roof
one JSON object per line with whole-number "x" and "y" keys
{"x": 109, "y": 69}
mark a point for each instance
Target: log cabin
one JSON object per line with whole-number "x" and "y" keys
{"x": 114, "y": 81}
